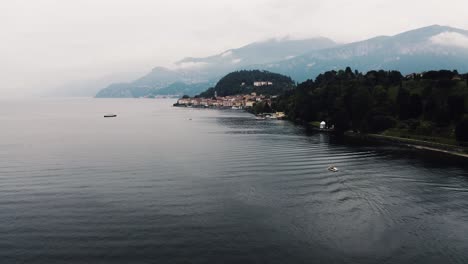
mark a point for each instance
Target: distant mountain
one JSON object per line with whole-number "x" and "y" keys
{"x": 180, "y": 88}
{"x": 255, "y": 53}
{"x": 116, "y": 90}
{"x": 194, "y": 72}
{"x": 159, "y": 77}
{"x": 430, "y": 48}
{"x": 246, "y": 82}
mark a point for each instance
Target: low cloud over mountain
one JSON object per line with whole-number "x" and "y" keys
{"x": 429, "y": 48}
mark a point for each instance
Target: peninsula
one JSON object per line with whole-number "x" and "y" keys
{"x": 428, "y": 107}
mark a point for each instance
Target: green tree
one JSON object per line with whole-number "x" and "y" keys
{"x": 362, "y": 103}
{"x": 456, "y": 106}
{"x": 341, "y": 121}
{"x": 461, "y": 131}
{"x": 403, "y": 102}
{"x": 262, "y": 107}
{"x": 415, "y": 107}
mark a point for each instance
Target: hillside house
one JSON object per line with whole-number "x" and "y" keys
{"x": 257, "y": 84}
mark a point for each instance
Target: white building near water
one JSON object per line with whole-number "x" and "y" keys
{"x": 262, "y": 84}
{"x": 322, "y": 125}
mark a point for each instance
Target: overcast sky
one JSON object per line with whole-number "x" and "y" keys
{"x": 52, "y": 43}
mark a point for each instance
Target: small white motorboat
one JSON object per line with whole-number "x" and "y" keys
{"x": 333, "y": 169}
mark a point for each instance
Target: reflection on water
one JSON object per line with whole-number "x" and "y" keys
{"x": 153, "y": 186}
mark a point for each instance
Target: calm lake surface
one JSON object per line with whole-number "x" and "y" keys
{"x": 152, "y": 186}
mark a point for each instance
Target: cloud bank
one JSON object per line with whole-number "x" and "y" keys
{"x": 48, "y": 43}
{"x": 453, "y": 39}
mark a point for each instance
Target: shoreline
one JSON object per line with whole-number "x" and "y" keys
{"x": 451, "y": 150}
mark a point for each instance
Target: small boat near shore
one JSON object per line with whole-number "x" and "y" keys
{"x": 333, "y": 169}
{"x": 110, "y": 115}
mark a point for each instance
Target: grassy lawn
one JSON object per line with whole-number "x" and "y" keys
{"x": 315, "y": 124}
{"x": 405, "y": 133}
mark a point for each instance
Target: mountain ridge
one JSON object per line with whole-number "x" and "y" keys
{"x": 411, "y": 51}
{"x": 428, "y": 48}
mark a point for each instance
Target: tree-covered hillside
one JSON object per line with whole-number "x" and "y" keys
{"x": 242, "y": 82}
{"x": 431, "y": 105}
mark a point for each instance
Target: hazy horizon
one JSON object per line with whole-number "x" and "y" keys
{"x": 50, "y": 44}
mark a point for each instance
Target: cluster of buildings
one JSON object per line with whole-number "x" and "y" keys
{"x": 243, "y": 101}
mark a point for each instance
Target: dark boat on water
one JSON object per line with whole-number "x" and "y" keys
{"x": 110, "y": 115}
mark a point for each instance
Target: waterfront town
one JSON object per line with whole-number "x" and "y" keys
{"x": 242, "y": 101}
{"x": 237, "y": 102}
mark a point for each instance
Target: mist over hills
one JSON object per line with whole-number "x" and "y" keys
{"x": 429, "y": 48}
{"x": 205, "y": 72}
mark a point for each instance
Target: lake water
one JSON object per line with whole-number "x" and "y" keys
{"x": 153, "y": 186}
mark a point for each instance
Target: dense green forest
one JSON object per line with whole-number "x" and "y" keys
{"x": 428, "y": 106}
{"x": 242, "y": 82}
